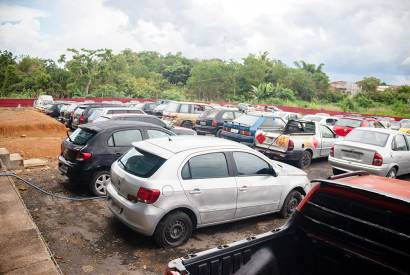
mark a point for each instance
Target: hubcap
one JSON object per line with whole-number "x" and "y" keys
{"x": 175, "y": 231}
{"x": 101, "y": 183}
{"x": 305, "y": 160}
{"x": 392, "y": 174}
{"x": 293, "y": 203}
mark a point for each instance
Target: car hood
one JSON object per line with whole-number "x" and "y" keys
{"x": 289, "y": 170}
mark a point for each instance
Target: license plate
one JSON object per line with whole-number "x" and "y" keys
{"x": 63, "y": 168}
{"x": 234, "y": 131}
{"x": 203, "y": 123}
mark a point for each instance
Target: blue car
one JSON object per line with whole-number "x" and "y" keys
{"x": 243, "y": 128}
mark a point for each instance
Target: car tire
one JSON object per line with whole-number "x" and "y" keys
{"x": 173, "y": 230}
{"x": 305, "y": 160}
{"x": 218, "y": 133}
{"x": 99, "y": 183}
{"x": 187, "y": 124}
{"x": 291, "y": 202}
{"x": 392, "y": 173}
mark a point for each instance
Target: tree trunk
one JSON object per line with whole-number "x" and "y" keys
{"x": 87, "y": 88}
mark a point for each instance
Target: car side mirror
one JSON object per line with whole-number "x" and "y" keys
{"x": 269, "y": 171}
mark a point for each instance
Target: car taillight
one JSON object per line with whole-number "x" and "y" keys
{"x": 81, "y": 119}
{"x": 214, "y": 123}
{"x": 227, "y": 129}
{"x": 332, "y": 151}
{"x": 245, "y": 133}
{"x": 148, "y": 196}
{"x": 260, "y": 138}
{"x": 168, "y": 271}
{"x": 83, "y": 156}
{"x": 377, "y": 159}
{"x": 291, "y": 145}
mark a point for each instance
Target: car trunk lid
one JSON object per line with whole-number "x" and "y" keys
{"x": 355, "y": 152}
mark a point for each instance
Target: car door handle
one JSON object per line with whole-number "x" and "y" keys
{"x": 243, "y": 188}
{"x": 195, "y": 191}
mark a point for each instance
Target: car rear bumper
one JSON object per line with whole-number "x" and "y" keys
{"x": 349, "y": 166}
{"x": 205, "y": 129}
{"x": 140, "y": 217}
{"x": 75, "y": 171}
{"x": 248, "y": 140}
{"x": 288, "y": 155}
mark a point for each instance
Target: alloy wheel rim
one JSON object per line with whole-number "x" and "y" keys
{"x": 101, "y": 183}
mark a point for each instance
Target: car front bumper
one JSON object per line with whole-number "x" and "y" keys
{"x": 139, "y": 216}
{"x": 349, "y": 166}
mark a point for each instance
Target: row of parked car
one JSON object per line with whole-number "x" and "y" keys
{"x": 165, "y": 186}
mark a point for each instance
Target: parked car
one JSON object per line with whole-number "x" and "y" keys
{"x": 83, "y": 111}
{"x": 184, "y": 114}
{"x": 299, "y": 142}
{"x": 382, "y": 152}
{"x": 322, "y": 119}
{"x": 212, "y": 121}
{"x": 159, "y": 109}
{"x": 405, "y": 126}
{"x": 353, "y": 224}
{"x": 245, "y": 107}
{"x": 286, "y": 116}
{"x": 66, "y": 112}
{"x": 42, "y": 101}
{"x": 87, "y": 155}
{"x": 98, "y": 112}
{"x": 54, "y": 109}
{"x": 344, "y": 125}
{"x": 166, "y": 188}
{"x": 243, "y": 128}
{"x": 147, "y": 107}
{"x": 148, "y": 119}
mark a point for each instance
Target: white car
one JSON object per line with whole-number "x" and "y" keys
{"x": 322, "y": 119}
{"x": 167, "y": 187}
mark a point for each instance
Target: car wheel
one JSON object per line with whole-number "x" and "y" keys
{"x": 392, "y": 173}
{"x": 187, "y": 124}
{"x": 99, "y": 182}
{"x": 218, "y": 133}
{"x": 291, "y": 202}
{"x": 305, "y": 160}
{"x": 173, "y": 230}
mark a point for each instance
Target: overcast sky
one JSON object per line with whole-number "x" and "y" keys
{"x": 353, "y": 38}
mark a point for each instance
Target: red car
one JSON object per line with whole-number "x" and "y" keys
{"x": 344, "y": 125}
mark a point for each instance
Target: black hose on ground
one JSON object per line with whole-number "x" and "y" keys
{"x": 8, "y": 174}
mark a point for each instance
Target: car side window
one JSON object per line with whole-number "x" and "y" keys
{"x": 399, "y": 143}
{"x": 156, "y": 134}
{"x": 326, "y": 132}
{"x": 211, "y": 165}
{"x": 378, "y": 125}
{"x": 330, "y": 121}
{"x": 228, "y": 116}
{"x": 184, "y": 108}
{"x": 250, "y": 165}
{"x": 198, "y": 109}
{"x": 124, "y": 138}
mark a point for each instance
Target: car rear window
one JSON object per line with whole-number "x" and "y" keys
{"x": 81, "y": 136}
{"x": 246, "y": 120}
{"x": 346, "y": 122}
{"x": 140, "y": 163}
{"x": 368, "y": 137}
{"x": 300, "y": 127}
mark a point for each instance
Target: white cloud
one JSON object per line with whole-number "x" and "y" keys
{"x": 352, "y": 38}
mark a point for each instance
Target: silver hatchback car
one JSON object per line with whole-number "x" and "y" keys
{"x": 169, "y": 186}
{"x": 378, "y": 151}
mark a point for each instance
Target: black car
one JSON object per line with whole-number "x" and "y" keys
{"x": 212, "y": 121}
{"x": 149, "y": 119}
{"x": 54, "y": 109}
{"x": 87, "y": 155}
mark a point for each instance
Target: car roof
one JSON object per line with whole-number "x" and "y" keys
{"x": 394, "y": 188}
{"x": 379, "y": 130}
{"x": 187, "y": 102}
{"x": 166, "y": 147}
{"x": 115, "y": 125}
{"x": 266, "y": 114}
{"x": 117, "y": 108}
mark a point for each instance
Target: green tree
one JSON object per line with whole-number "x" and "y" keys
{"x": 262, "y": 91}
{"x": 369, "y": 84}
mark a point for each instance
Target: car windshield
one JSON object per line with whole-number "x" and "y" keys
{"x": 140, "y": 163}
{"x": 95, "y": 114}
{"x": 81, "y": 136}
{"x": 246, "y": 120}
{"x": 209, "y": 114}
{"x": 367, "y": 137}
{"x": 313, "y": 118}
{"x": 172, "y": 107}
{"x": 300, "y": 127}
{"x": 347, "y": 122}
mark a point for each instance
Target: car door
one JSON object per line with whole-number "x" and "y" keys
{"x": 121, "y": 141}
{"x": 327, "y": 140}
{"x": 401, "y": 154}
{"x": 258, "y": 190}
{"x": 210, "y": 187}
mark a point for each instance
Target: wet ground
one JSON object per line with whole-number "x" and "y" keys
{"x": 85, "y": 238}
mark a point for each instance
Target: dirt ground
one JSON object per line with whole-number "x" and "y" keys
{"x": 30, "y": 133}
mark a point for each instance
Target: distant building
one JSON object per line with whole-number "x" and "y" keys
{"x": 345, "y": 87}
{"x": 382, "y": 88}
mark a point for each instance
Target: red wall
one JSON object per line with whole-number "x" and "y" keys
{"x": 29, "y": 102}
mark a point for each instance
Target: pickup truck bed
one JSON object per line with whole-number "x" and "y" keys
{"x": 338, "y": 229}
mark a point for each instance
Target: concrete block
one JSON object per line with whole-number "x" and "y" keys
{"x": 5, "y": 156}
{"x": 16, "y": 162}
{"x": 30, "y": 163}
